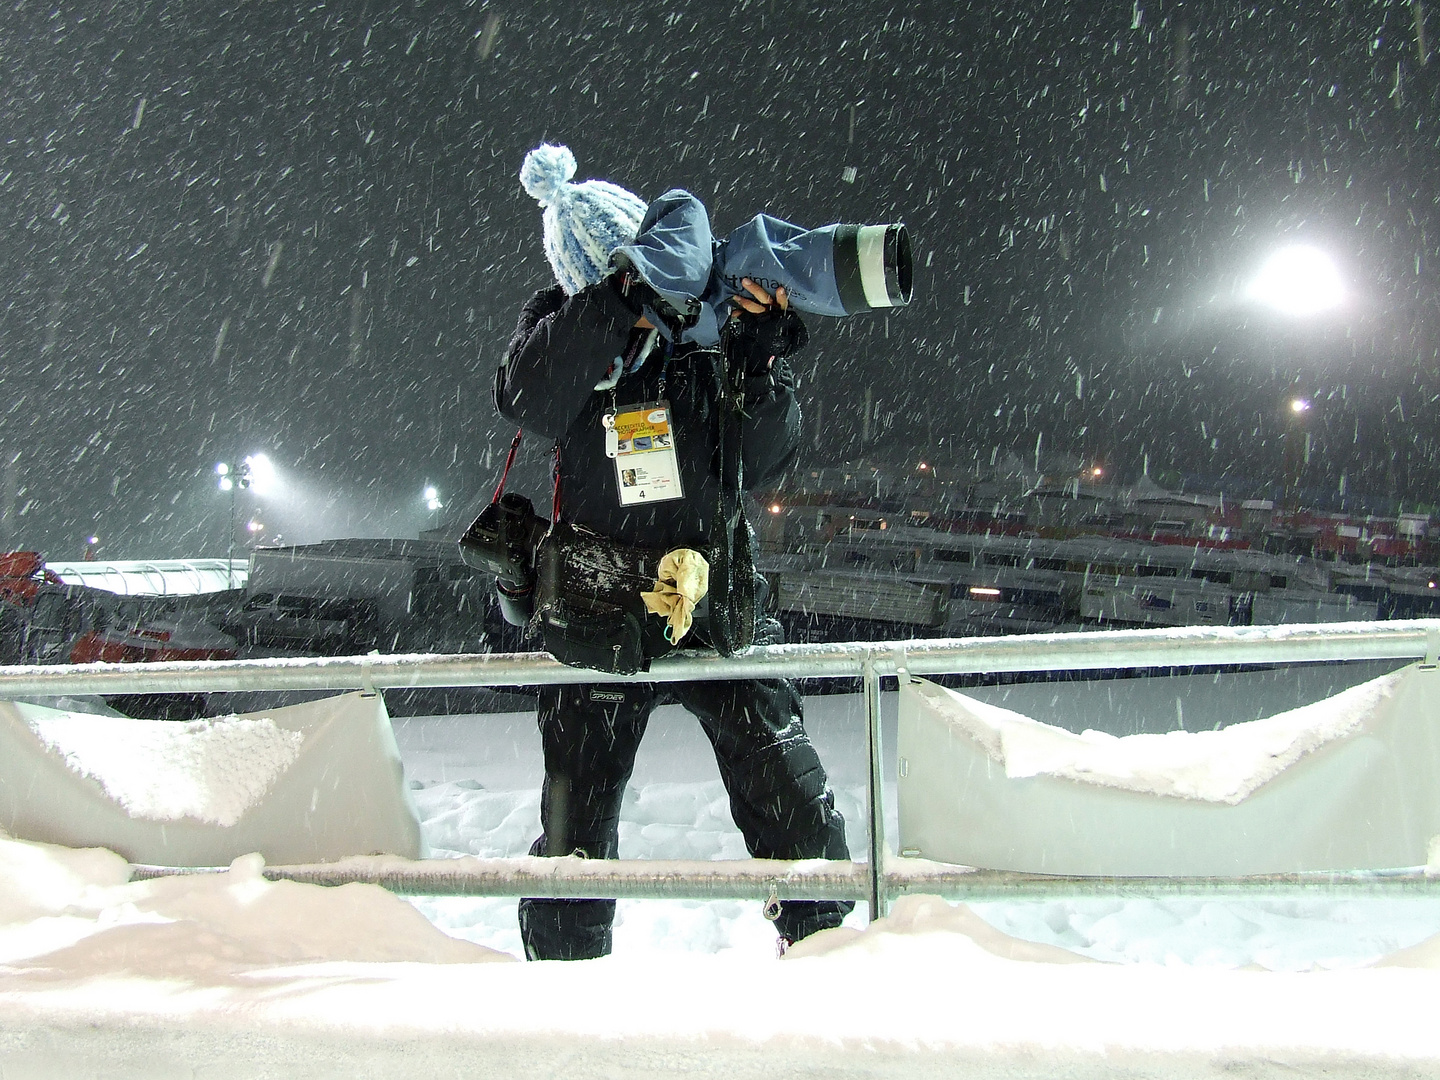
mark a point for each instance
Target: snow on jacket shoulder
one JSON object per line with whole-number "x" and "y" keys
{"x": 562, "y": 348}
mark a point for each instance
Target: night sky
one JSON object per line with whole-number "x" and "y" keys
{"x": 230, "y": 229}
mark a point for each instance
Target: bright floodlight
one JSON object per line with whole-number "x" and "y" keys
{"x": 226, "y": 484}
{"x": 1298, "y": 281}
{"x": 222, "y": 469}
{"x": 1299, "y": 406}
{"x": 431, "y": 494}
{"x": 263, "y": 480}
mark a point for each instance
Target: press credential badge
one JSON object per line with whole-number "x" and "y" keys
{"x": 640, "y": 440}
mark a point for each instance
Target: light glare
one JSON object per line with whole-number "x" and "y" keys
{"x": 1298, "y": 281}
{"x": 263, "y": 479}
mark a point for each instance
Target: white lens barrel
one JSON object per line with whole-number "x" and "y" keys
{"x": 872, "y": 266}
{"x": 870, "y": 253}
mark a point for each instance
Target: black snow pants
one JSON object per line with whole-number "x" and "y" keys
{"x": 779, "y": 795}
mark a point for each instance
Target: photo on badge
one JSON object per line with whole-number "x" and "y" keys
{"x": 627, "y": 477}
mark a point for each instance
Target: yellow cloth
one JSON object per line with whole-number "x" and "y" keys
{"x": 684, "y": 579}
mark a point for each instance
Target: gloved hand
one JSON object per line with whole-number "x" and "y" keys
{"x": 762, "y": 328}
{"x": 776, "y": 334}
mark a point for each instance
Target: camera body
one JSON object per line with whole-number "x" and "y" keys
{"x": 502, "y": 541}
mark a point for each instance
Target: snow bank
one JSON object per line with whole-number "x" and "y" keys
{"x": 228, "y": 975}
{"x": 912, "y": 915}
{"x": 75, "y": 914}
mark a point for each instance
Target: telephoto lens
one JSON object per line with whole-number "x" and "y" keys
{"x": 873, "y": 266}
{"x": 837, "y": 270}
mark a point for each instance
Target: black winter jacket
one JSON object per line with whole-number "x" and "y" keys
{"x": 563, "y": 346}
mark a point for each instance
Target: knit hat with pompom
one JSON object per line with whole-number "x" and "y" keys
{"x": 585, "y": 222}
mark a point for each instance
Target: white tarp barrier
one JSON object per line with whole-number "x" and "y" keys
{"x": 303, "y": 783}
{"x": 1351, "y": 782}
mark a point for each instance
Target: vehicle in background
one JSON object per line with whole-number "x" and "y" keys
{"x": 43, "y": 620}
{"x": 270, "y": 620}
{"x": 136, "y": 631}
{"x": 351, "y": 596}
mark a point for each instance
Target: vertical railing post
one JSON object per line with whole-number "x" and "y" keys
{"x": 876, "y": 789}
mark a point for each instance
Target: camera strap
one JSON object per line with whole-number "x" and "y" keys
{"x": 732, "y": 561}
{"x": 509, "y": 460}
{"x": 555, "y": 473}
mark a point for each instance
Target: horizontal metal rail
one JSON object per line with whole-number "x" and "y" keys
{"x": 1107, "y": 649}
{"x": 815, "y": 879}
{"x": 884, "y": 876}
{"x": 570, "y": 877}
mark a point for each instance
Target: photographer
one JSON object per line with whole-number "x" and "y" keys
{"x": 585, "y": 361}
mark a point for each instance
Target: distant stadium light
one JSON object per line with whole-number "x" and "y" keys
{"x": 984, "y": 592}
{"x": 260, "y": 472}
{"x": 1298, "y": 281}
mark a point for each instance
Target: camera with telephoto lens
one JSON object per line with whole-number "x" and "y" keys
{"x": 683, "y": 278}
{"x": 502, "y": 541}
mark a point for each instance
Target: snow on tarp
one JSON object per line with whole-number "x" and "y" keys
{"x": 303, "y": 783}
{"x": 1216, "y": 766}
{"x": 1350, "y": 782}
{"x": 209, "y": 770}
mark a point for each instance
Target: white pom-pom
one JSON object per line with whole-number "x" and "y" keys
{"x": 546, "y": 171}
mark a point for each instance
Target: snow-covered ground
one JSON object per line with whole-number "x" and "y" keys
{"x": 228, "y": 975}
{"x": 476, "y": 783}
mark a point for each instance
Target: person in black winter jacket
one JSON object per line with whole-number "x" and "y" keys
{"x": 581, "y": 349}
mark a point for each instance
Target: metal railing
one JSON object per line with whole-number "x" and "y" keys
{"x": 884, "y": 875}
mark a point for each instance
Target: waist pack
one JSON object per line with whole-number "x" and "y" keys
{"x": 589, "y": 612}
